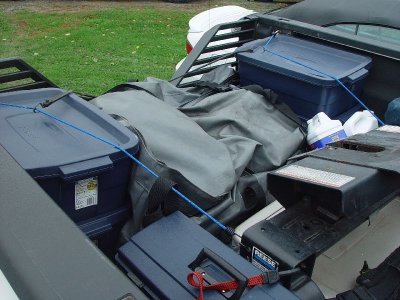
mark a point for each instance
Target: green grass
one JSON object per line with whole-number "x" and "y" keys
{"x": 90, "y": 47}
{"x": 92, "y": 51}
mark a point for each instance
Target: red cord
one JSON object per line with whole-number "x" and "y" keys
{"x": 220, "y": 286}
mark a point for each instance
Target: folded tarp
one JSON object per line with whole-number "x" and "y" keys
{"x": 216, "y": 146}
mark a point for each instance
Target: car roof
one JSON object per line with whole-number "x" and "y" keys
{"x": 329, "y": 12}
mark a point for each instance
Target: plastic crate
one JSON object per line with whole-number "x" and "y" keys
{"x": 104, "y": 230}
{"x": 306, "y": 91}
{"x": 84, "y": 176}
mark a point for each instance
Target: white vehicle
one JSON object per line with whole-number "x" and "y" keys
{"x": 199, "y": 24}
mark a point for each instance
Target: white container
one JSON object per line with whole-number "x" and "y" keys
{"x": 360, "y": 122}
{"x": 266, "y": 213}
{"x": 322, "y": 130}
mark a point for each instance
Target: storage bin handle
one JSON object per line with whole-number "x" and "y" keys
{"x": 358, "y": 75}
{"x": 224, "y": 265}
{"x": 86, "y": 167}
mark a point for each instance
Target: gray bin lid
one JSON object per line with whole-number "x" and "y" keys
{"x": 45, "y": 147}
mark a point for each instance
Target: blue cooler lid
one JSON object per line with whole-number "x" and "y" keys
{"x": 46, "y": 148}
{"x": 344, "y": 65}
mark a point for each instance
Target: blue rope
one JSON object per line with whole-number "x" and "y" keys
{"x": 323, "y": 73}
{"x": 35, "y": 109}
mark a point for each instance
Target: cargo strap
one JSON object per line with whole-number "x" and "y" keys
{"x": 159, "y": 202}
{"x": 382, "y": 282}
{"x": 279, "y": 105}
{"x": 217, "y": 87}
{"x": 268, "y": 277}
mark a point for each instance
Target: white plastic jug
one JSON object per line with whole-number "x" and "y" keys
{"x": 360, "y": 122}
{"x": 322, "y": 130}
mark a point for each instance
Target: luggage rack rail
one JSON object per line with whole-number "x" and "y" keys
{"x": 215, "y": 48}
{"x": 16, "y": 74}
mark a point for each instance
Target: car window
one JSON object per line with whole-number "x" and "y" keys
{"x": 375, "y": 32}
{"x": 349, "y": 28}
{"x": 380, "y": 33}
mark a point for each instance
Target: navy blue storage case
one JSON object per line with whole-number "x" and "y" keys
{"x": 84, "y": 176}
{"x": 343, "y": 117}
{"x": 158, "y": 259}
{"x": 104, "y": 230}
{"x": 306, "y": 91}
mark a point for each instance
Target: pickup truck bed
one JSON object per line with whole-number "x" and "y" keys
{"x": 42, "y": 270}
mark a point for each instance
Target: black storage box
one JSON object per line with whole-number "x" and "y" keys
{"x": 334, "y": 189}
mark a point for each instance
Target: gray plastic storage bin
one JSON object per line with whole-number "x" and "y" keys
{"x": 306, "y": 91}
{"x": 84, "y": 176}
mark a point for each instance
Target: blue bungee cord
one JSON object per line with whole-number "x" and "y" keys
{"x": 323, "y": 73}
{"x": 147, "y": 169}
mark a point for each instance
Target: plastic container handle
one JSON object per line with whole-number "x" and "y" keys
{"x": 352, "y": 122}
{"x": 357, "y": 119}
{"x": 93, "y": 232}
{"x": 87, "y": 167}
{"x": 224, "y": 265}
{"x": 357, "y": 75}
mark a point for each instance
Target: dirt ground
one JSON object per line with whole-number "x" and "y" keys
{"x": 195, "y": 5}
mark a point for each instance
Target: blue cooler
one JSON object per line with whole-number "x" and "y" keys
{"x": 158, "y": 258}
{"x": 84, "y": 176}
{"x": 306, "y": 91}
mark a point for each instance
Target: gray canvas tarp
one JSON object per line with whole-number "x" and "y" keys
{"x": 223, "y": 144}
